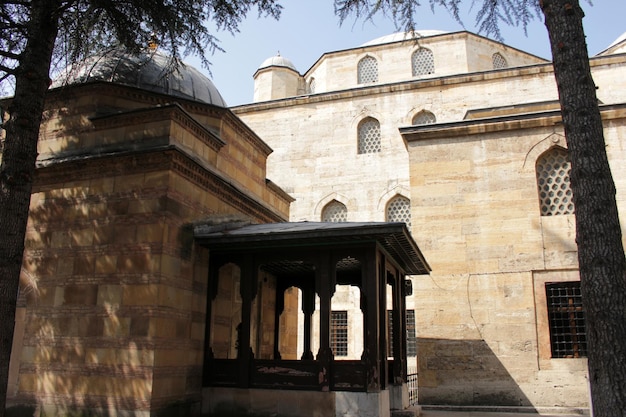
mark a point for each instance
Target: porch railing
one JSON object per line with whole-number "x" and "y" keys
{"x": 411, "y": 382}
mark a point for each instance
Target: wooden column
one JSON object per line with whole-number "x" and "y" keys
{"x": 280, "y": 307}
{"x": 308, "y": 307}
{"x": 323, "y": 286}
{"x": 399, "y": 327}
{"x": 248, "y": 289}
{"x": 371, "y": 287}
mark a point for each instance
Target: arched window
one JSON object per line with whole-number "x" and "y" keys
{"x": 369, "y": 135}
{"x": 555, "y": 195}
{"x": 335, "y": 212}
{"x": 422, "y": 62}
{"x": 424, "y": 118}
{"x": 499, "y": 61}
{"x": 399, "y": 210}
{"x": 368, "y": 70}
{"x": 312, "y": 86}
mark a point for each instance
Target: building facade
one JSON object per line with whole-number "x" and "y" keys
{"x": 111, "y": 312}
{"x": 460, "y": 137}
{"x": 453, "y": 134}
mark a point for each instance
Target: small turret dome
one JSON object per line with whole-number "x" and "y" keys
{"x": 148, "y": 70}
{"x": 277, "y": 61}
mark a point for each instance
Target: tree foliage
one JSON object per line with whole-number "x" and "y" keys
{"x": 84, "y": 26}
{"x": 490, "y": 16}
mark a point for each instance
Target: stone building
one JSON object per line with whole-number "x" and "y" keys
{"x": 453, "y": 134}
{"x": 460, "y": 137}
{"x": 111, "y": 310}
{"x": 138, "y": 298}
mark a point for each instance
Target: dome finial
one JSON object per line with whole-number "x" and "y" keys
{"x": 153, "y": 43}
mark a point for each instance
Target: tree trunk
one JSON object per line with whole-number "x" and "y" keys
{"x": 600, "y": 249}
{"x": 18, "y": 166}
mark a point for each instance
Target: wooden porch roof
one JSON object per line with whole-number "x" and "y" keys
{"x": 394, "y": 238}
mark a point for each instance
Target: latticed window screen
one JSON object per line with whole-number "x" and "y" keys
{"x": 411, "y": 340}
{"x": 335, "y": 212}
{"x": 339, "y": 333}
{"x": 499, "y": 61}
{"x": 566, "y": 316}
{"x": 422, "y": 62}
{"x": 399, "y": 210}
{"x": 369, "y": 136}
{"x": 367, "y": 70}
{"x": 555, "y": 194}
{"x": 424, "y": 118}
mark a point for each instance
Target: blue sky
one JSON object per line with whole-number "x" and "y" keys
{"x": 309, "y": 28}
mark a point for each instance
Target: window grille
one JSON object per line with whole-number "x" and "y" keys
{"x": 424, "y": 118}
{"x": 567, "y": 320}
{"x": 555, "y": 194}
{"x": 399, "y": 210}
{"x": 499, "y": 61}
{"x": 335, "y": 212}
{"x": 369, "y": 136}
{"x": 339, "y": 332}
{"x": 367, "y": 70}
{"x": 422, "y": 62}
{"x": 411, "y": 340}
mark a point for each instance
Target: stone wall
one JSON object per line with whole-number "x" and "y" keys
{"x": 114, "y": 288}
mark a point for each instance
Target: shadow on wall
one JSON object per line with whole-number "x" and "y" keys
{"x": 464, "y": 373}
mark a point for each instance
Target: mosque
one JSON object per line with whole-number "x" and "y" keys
{"x": 399, "y": 211}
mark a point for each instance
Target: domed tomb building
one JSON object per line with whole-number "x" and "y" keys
{"x": 133, "y": 151}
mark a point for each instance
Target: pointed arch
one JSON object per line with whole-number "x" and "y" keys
{"x": 553, "y": 182}
{"x": 499, "y": 61}
{"x": 335, "y": 212}
{"x": 369, "y": 138}
{"x": 422, "y": 62}
{"x": 367, "y": 70}
{"x": 398, "y": 209}
{"x": 423, "y": 117}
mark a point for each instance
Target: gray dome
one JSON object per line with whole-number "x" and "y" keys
{"x": 403, "y": 36}
{"x": 147, "y": 70}
{"x": 277, "y": 61}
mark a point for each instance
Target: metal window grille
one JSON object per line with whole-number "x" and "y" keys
{"x": 339, "y": 332}
{"x": 499, "y": 61}
{"x": 399, "y": 210}
{"x": 424, "y": 118}
{"x": 367, "y": 70}
{"x": 422, "y": 62}
{"x": 369, "y": 136}
{"x": 335, "y": 212}
{"x": 553, "y": 182}
{"x": 411, "y": 340}
{"x": 566, "y": 317}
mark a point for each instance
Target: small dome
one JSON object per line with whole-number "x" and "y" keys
{"x": 147, "y": 70}
{"x": 277, "y": 61}
{"x": 403, "y": 36}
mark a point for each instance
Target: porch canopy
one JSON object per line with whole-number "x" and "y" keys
{"x": 254, "y": 272}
